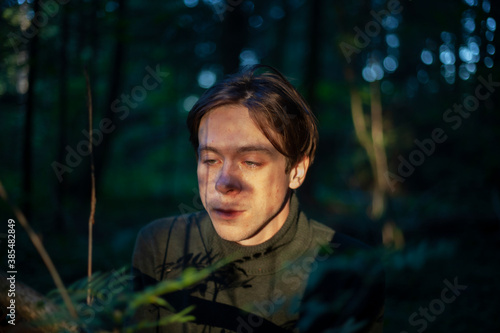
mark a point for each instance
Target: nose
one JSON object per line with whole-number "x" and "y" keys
{"x": 228, "y": 181}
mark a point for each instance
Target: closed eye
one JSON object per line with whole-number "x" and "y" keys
{"x": 252, "y": 164}
{"x": 209, "y": 162}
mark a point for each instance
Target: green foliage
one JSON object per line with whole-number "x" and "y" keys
{"x": 113, "y": 302}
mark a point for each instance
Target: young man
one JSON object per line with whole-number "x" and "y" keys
{"x": 255, "y": 138}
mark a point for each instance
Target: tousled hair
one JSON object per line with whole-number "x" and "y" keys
{"x": 275, "y": 106}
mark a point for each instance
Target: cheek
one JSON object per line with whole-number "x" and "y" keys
{"x": 277, "y": 186}
{"x": 202, "y": 186}
{"x": 206, "y": 178}
{"x": 282, "y": 182}
{"x": 202, "y": 180}
{"x": 201, "y": 173}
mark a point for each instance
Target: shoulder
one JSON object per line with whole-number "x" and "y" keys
{"x": 174, "y": 224}
{"x": 173, "y": 232}
{"x": 337, "y": 241}
{"x": 321, "y": 232}
{"x": 167, "y": 239}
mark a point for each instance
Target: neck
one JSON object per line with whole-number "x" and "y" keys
{"x": 272, "y": 226}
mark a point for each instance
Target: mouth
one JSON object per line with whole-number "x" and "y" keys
{"x": 227, "y": 214}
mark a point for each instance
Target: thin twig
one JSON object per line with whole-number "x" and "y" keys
{"x": 92, "y": 195}
{"x": 21, "y": 218}
{"x": 379, "y": 202}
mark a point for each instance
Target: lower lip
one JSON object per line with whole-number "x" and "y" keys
{"x": 228, "y": 214}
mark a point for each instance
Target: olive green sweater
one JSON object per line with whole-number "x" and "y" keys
{"x": 260, "y": 291}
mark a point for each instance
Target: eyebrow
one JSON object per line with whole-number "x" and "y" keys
{"x": 240, "y": 150}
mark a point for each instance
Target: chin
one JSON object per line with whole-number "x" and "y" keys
{"x": 230, "y": 235}
{"x": 225, "y": 233}
{"x": 230, "y": 238}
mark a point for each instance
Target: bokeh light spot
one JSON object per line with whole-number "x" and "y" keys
{"x": 276, "y": 12}
{"x": 488, "y": 62}
{"x": 204, "y": 49}
{"x": 490, "y": 49}
{"x": 189, "y": 102}
{"x": 463, "y": 72}
{"x": 446, "y": 56}
{"x": 486, "y": 6}
{"x": 387, "y": 87}
{"x": 248, "y": 58}
{"x": 465, "y": 54}
{"x": 469, "y": 24}
{"x": 256, "y": 21}
{"x": 390, "y": 22}
{"x": 491, "y": 24}
{"x": 390, "y": 64}
{"x": 446, "y": 37}
{"x": 206, "y": 78}
{"x": 426, "y": 57}
{"x": 191, "y": 3}
{"x": 392, "y": 40}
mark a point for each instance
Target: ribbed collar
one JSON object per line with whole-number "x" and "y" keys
{"x": 289, "y": 243}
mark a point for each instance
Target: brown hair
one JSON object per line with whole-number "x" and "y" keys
{"x": 274, "y": 105}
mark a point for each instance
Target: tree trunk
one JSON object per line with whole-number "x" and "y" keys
{"x": 313, "y": 63}
{"x": 370, "y": 136}
{"x": 310, "y": 80}
{"x": 116, "y": 79}
{"x": 63, "y": 114}
{"x": 28, "y": 125}
{"x": 278, "y": 56}
{"x": 234, "y": 39}
{"x": 380, "y": 157}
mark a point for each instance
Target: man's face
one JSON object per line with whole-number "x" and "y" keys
{"x": 241, "y": 177}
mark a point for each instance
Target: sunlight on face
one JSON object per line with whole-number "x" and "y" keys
{"x": 241, "y": 177}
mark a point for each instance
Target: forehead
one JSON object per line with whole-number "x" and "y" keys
{"x": 230, "y": 127}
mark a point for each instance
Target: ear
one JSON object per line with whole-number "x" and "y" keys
{"x": 298, "y": 173}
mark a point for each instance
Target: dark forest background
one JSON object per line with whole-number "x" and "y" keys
{"x": 406, "y": 96}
